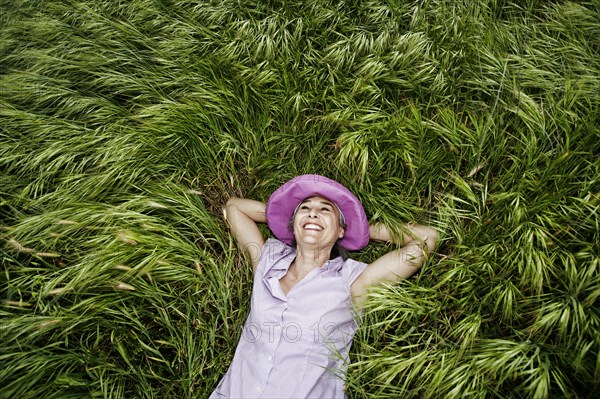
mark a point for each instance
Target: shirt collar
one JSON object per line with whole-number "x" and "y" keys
{"x": 333, "y": 264}
{"x": 283, "y": 259}
{"x": 288, "y": 253}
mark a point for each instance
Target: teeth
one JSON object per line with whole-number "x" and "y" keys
{"x": 311, "y": 226}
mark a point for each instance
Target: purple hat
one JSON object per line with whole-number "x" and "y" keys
{"x": 284, "y": 200}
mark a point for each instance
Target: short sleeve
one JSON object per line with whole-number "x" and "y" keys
{"x": 353, "y": 269}
{"x": 272, "y": 251}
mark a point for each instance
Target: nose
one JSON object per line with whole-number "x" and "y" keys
{"x": 313, "y": 213}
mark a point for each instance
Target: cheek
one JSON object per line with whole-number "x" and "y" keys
{"x": 292, "y": 223}
{"x": 334, "y": 222}
{"x": 338, "y": 226}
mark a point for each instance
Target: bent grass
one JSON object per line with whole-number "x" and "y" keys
{"x": 127, "y": 125}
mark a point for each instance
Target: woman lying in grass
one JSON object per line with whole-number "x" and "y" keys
{"x": 301, "y": 323}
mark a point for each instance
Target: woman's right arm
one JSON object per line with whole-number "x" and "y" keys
{"x": 242, "y": 215}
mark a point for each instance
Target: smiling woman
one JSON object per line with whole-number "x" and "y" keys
{"x": 337, "y": 249}
{"x": 318, "y": 221}
{"x": 297, "y": 336}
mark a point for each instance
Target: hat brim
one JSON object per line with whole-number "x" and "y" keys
{"x": 283, "y": 202}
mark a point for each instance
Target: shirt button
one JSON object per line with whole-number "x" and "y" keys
{"x": 257, "y": 389}
{"x": 269, "y": 358}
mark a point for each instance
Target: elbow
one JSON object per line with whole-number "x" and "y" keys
{"x": 432, "y": 238}
{"x": 230, "y": 206}
{"x": 232, "y": 201}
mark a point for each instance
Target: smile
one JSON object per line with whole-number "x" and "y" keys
{"x": 312, "y": 226}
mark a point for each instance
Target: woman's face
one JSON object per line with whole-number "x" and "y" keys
{"x": 317, "y": 221}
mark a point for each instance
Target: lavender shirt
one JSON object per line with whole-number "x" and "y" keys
{"x": 294, "y": 346}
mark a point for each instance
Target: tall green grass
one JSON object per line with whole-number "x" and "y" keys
{"x": 126, "y": 125}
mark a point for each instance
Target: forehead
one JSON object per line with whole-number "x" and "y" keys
{"x": 318, "y": 199}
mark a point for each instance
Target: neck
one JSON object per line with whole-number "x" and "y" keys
{"x": 308, "y": 258}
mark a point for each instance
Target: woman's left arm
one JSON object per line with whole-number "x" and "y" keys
{"x": 417, "y": 242}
